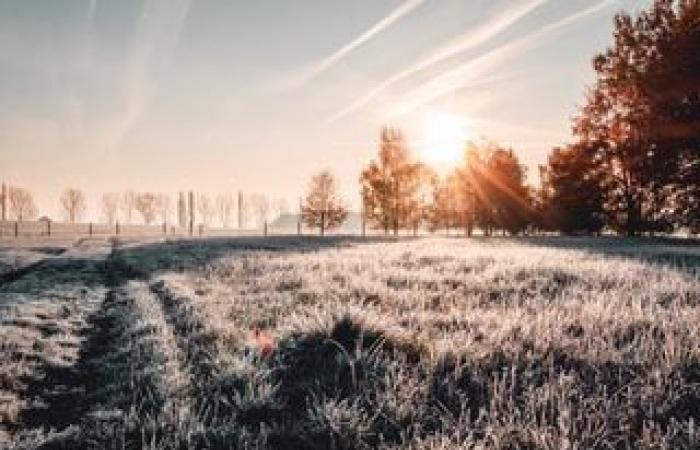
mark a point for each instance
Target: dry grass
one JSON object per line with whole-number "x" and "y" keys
{"x": 306, "y": 343}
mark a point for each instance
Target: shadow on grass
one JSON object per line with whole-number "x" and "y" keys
{"x": 181, "y": 255}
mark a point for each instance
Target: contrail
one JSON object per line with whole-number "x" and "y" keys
{"x": 453, "y": 79}
{"x": 463, "y": 43}
{"x": 155, "y": 38}
{"x": 92, "y": 9}
{"x": 323, "y": 65}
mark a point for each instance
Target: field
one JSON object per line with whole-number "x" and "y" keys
{"x": 343, "y": 343}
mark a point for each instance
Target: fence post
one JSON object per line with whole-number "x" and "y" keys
{"x": 298, "y": 227}
{"x": 90, "y": 229}
{"x": 17, "y": 228}
{"x": 323, "y": 223}
{"x": 116, "y": 227}
{"x": 201, "y": 229}
{"x": 265, "y": 229}
{"x": 165, "y": 228}
{"x": 48, "y": 227}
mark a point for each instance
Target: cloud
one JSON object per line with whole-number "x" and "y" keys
{"x": 153, "y": 43}
{"x": 305, "y": 75}
{"x": 466, "y": 73}
{"x": 464, "y": 42}
{"x": 92, "y": 10}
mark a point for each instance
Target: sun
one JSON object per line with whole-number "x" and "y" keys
{"x": 443, "y": 138}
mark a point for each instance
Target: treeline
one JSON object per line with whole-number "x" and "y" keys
{"x": 634, "y": 166}
{"x": 487, "y": 191}
{"x": 224, "y": 210}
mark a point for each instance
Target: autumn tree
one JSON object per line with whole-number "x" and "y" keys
{"x": 73, "y": 204}
{"x": 509, "y": 196}
{"x": 572, "y": 197}
{"x": 146, "y": 204}
{"x": 323, "y": 208}
{"x": 21, "y": 204}
{"x": 442, "y": 212}
{"x": 109, "y": 205}
{"x": 641, "y": 117}
{"x": 391, "y": 186}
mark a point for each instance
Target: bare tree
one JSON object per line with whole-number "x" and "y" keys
{"x": 110, "y": 207}
{"x": 181, "y": 210}
{"x": 323, "y": 207}
{"x": 260, "y": 206}
{"x": 21, "y": 204}
{"x": 224, "y": 209}
{"x": 205, "y": 209}
{"x": 128, "y": 205}
{"x": 147, "y": 205}
{"x": 73, "y": 204}
{"x": 164, "y": 207}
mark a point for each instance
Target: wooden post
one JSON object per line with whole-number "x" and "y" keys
{"x": 323, "y": 223}
{"x": 165, "y": 228}
{"x": 201, "y": 229}
{"x": 48, "y": 227}
{"x": 17, "y": 228}
{"x": 299, "y": 227}
{"x": 240, "y": 210}
{"x": 90, "y": 229}
{"x": 265, "y": 229}
{"x": 116, "y": 228}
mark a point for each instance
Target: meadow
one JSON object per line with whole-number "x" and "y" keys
{"x": 348, "y": 343}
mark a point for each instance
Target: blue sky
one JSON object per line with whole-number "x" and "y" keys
{"x": 221, "y": 95}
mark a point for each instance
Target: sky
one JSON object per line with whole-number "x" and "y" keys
{"x": 258, "y": 95}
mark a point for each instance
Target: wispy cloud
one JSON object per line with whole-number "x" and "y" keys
{"x": 306, "y": 75}
{"x": 466, "y": 73}
{"x": 153, "y": 43}
{"x": 92, "y": 10}
{"x": 471, "y": 39}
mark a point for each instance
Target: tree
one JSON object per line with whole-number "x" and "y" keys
{"x": 73, "y": 204}
{"x": 181, "y": 210}
{"x": 21, "y": 204}
{"x": 391, "y": 186}
{"x": 225, "y": 204}
{"x": 572, "y": 197}
{"x": 489, "y": 191}
{"x": 128, "y": 205}
{"x": 164, "y": 207}
{"x": 641, "y": 116}
{"x": 110, "y": 206}
{"x": 510, "y": 197}
{"x": 442, "y": 211}
{"x": 205, "y": 209}
{"x": 259, "y": 204}
{"x": 323, "y": 208}
{"x": 147, "y": 205}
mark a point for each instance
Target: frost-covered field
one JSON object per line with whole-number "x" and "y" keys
{"x": 303, "y": 343}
